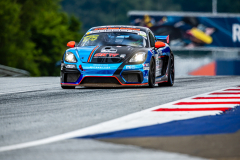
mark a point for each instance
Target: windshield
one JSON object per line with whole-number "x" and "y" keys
{"x": 114, "y": 39}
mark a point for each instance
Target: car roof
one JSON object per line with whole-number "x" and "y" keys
{"x": 145, "y": 29}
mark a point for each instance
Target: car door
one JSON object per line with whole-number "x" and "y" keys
{"x": 157, "y": 55}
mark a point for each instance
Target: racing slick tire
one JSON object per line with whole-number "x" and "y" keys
{"x": 151, "y": 75}
{"x": 68, "y": 87}
{"x": 171, "y": 74}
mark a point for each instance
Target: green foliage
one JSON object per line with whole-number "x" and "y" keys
{"x": 34, "y": 35}
{"x": 108, "y": 12}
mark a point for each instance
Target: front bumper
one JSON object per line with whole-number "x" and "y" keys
{"x": 106, "y": 75}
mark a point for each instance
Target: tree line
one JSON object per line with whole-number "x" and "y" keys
{"x": 109, "y": 12}
{"x": 34, "y": 33}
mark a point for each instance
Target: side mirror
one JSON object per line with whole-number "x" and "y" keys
{"x": 71, "y": 44}
{"x": 159, "y": 44}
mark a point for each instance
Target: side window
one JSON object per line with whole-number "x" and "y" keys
{"x": 152, "y": 39}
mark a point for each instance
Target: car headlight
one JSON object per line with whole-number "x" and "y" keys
{"x": 69, "y": 57}
{"x": 138, "y": 57}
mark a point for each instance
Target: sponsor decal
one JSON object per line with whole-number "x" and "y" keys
{"x": 92, "y": 67}
{"x": 130, "y": 67}
{"x": 236, "y": 32}
{"x": 146, "y": 68}
{"x": 146, "y": 65}
{"x": 108, "y": 55}
{"x": 123, "y": 55}
{"x": 118, "y": 28}
{"x": 90, "y": 37}
{"x": 100, "y": 66}
{"x": 112, "y": 50}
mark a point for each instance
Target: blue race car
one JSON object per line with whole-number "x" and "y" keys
{"x": 109, "y": 56}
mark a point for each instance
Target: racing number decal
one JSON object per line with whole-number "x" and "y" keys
{"x": 91, "y": 38}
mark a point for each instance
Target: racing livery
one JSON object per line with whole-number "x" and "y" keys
{"x": 118, "y": 56}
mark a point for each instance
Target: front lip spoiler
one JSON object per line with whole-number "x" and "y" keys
{"x": 103, "y": 84}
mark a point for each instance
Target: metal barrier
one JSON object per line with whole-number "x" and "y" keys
{"x": 6, "y": 71}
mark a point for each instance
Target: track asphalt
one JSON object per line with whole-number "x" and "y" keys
{"x": 37, "y": 108}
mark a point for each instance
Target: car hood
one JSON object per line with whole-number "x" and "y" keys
{"x": 106, "y": 54}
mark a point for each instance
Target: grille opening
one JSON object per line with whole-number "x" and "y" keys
{"x": 132, "y": 77}
{"x": 71, "y": 77}
{"x": 100, "y": 80}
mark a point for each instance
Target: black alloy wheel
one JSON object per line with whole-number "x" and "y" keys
{"x": 151, "y": 74}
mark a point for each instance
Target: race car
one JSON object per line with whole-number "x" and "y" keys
{"x": 113, "y": 56}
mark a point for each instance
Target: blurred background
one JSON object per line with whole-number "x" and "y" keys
{"x": 204, "y": 35}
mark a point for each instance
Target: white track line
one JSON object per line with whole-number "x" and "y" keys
{"x": 138, "y": 119}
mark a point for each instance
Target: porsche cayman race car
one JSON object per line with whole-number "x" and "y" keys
{"x": 118, "y": 56}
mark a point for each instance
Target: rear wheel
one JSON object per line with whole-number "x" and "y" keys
{"x": 68, "y": 87}
{"x": 151, "y": 74}
{"x": 171, "y": 74}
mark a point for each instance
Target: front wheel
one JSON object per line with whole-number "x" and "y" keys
{"x": 151, "y": 74}
{"x": 68, "y": 87}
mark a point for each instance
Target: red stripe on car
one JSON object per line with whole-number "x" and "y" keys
{"x": 92, "y": 53}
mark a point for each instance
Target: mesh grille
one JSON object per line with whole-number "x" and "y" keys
{"x": 72, "y": 77}
{"x": 133, "y": 77}
{"x": 100, "y": 80}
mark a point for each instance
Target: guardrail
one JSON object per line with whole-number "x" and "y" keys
{"x": 6, "y": 71}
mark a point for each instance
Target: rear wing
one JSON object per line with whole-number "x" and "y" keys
{"x": 163, "y": 38}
